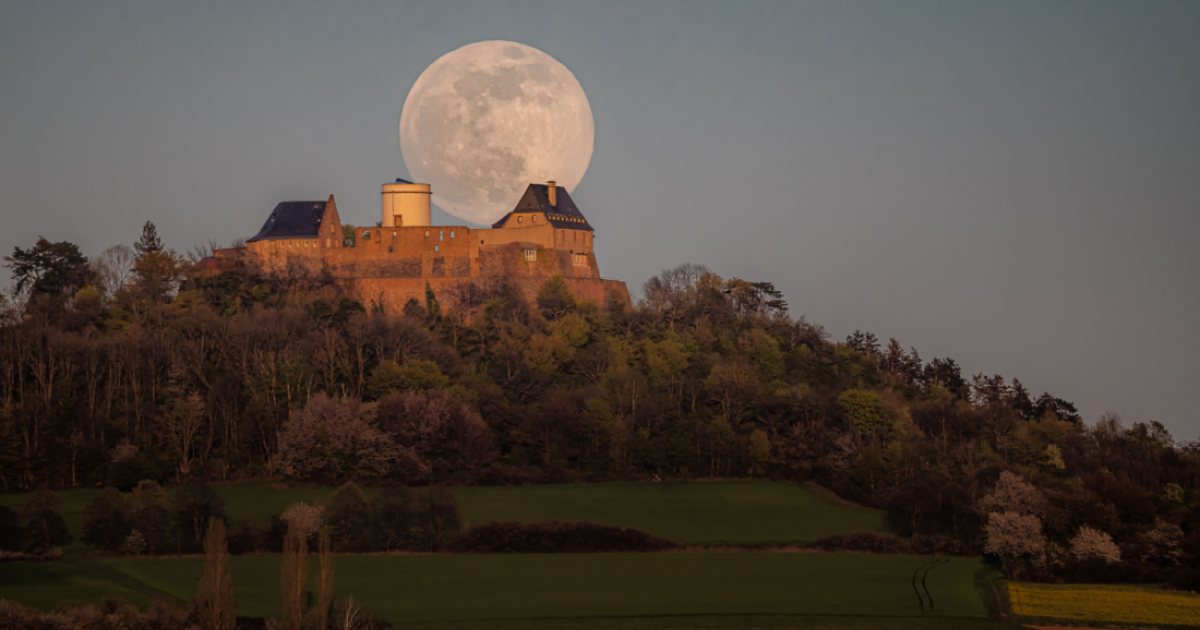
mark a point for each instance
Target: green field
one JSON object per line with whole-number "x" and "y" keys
{"x": 472, "y": 589}
{"x": 726, "y": 512}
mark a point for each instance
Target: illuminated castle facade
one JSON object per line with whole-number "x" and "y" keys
{"x": 544, "y": 235}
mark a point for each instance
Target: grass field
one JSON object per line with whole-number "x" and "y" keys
{"x": 1100, "y": 603}
{"x": 726, "y": 512}
{"x": 449, "y": 589}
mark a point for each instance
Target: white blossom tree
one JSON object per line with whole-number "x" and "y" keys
{"x": 1093, "y": 543}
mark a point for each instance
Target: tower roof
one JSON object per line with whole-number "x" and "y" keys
{"x": 292, "y": 219}
{"x": 565, "y": 215}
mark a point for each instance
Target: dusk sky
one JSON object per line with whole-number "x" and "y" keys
{"x": 1015, "y": 185}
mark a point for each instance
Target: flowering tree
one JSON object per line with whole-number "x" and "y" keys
{"x": 442, "y": 434}
{"x": 330, "y": 436}
{"x": 1016, "y": 538}
{"x": 1014, "y": 494}
{"x": 1093, "y": 543}
{"x": 307, "y": 519}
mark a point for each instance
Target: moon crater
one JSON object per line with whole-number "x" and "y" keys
{"x": 485, "y": 120}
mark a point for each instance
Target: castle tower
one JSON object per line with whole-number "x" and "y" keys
{"x": 405, "y": 204}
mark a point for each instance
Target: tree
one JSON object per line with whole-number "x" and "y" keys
{"x": 330, "y": 436}
{"x": 415, "y": 374}
{"x": 195, "y": 504}
{"x": 114, "y": 268}
{"x": 214, "y": 598}
{"x": 325, "y": 582}
{"x": 554, "y": 299}
{"x": 149, "y": 515}
{"x": 306, "y": 518}
{"x": 12, "y": 535}
{"x": 106, "y": 520}
{"x": 436, "y": 434}
{"x": 863, "y": 409}
{"x": 1016, "y": 539}
{"x": 149, "y": 243}
{"x": 294, "y": 578}
{"x": 393, "y": 513}
{"x": 760, "y": 451}
{"x": 1093, "y": 543}
{"x": 44, "y": 524}
{"x": 442, "y": 520}
{"x": 1013, "y": 494}
{"x": 50, "y": 268}
{"x": 348, "y": 514}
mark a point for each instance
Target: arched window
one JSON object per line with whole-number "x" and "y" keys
{"x": 366, "y": 234}
{"x": 451, "y": 233}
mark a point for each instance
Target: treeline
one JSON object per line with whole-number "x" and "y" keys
{"x": 172, "y": 371}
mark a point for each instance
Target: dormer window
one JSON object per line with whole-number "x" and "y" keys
{"x": 535, "y": 218}
{"x": 520, "y": 219}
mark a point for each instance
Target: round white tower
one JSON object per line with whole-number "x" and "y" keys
{"x": 405, "y": 204}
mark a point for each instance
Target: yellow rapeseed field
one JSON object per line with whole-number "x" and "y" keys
{"x": 1100, "y": 602}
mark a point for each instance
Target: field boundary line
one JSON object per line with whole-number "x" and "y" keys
{"x": 924, "y": 586}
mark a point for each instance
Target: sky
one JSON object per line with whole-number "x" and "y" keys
{"x": 1015, "y": 185}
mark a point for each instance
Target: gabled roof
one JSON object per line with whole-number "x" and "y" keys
{"x": 565, "y": 215}
{"x": 292, "y": 219}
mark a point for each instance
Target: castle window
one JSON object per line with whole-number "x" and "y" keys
{"x": 520, "y": 219}
{"x": 326, "y": 242}
{"x": 441, "y": 235}
{"x": 367, "y": 234}
{"x": 426, "y": 233}
{"x": 393, "y": 233}
{"x": 535, "y": 218}
{"x": 389, "y": 249}
{"x": 530, "y": 255}
{"x": 437, "y": 248}
{"x": 451, "y": 233}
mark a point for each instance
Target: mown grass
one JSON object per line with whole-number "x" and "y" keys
{"x": 714, "y": 513}
{"x": 457, "y": 589}
{"x": 1103, "y": 603}
{"x": 48, "y": 585}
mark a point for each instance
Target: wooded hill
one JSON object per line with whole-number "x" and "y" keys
{"x": 144, "y": 365}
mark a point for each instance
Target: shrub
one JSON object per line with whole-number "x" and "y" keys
{"x": 245, "y": 537}
{"x": 872, "y": 542}
{"x": 555, "y": 537}
{"x": 106, "y": 520}
{"x": 1186, "y": 580}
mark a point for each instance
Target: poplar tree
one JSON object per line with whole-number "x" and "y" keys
{"x": 214, "y": 599}
{"x": 294, "y": 577}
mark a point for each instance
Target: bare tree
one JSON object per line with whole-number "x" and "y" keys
{"x": 325, "y": 585}
{"x": 115, "y": 267}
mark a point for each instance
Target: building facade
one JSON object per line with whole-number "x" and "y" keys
{"x": 543, "y": 236}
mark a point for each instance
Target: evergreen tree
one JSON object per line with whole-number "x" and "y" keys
{"x": 149, "y": 243}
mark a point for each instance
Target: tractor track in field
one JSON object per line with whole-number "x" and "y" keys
{"x": 922, "y": 589}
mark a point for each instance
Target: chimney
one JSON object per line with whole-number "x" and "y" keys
{"x": 552, "y": 192}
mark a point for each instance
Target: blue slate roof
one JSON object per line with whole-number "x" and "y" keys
{"x": 565, "y": 215}
{"x": 292, "y": 219}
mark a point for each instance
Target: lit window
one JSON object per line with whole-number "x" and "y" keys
{"x": 535, "y": 218}
{"x": 520, "y": 219}
{"x": 426, "y": 233}
{"x": 393, "y": 234}
{"x": 530, "y": 255}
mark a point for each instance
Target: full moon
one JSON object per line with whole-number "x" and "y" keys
{"x": 488, "y": 119}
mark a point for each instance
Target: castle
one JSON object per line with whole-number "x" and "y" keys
{"x": 544, "y": 235}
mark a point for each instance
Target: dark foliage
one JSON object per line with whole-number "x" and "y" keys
{"x": 871, "y": 542}
{"x": 555, "y": 537}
